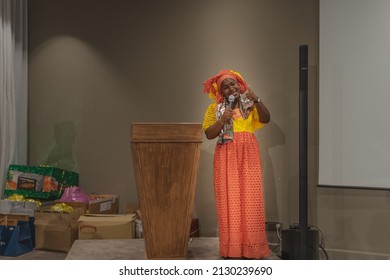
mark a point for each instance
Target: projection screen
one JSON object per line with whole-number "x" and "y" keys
{"x": 354, "y": 94}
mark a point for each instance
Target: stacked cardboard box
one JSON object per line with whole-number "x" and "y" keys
{"x": 106, "y": 226}
{"x": 56, "y": 231}
{"x": 99, "y": 204}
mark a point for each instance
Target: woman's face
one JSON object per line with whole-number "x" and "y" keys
{"x": 230, "y": 86}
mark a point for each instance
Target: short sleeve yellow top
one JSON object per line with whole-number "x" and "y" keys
{"x": 240, "y": 124}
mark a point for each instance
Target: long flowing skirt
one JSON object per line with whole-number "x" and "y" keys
{"x": 238, "y": 188}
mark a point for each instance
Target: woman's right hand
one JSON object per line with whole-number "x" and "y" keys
{"x": 228, "y": 114}
{"x": 214, "y": 130}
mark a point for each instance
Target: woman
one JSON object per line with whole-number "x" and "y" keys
{"x": 237, "y": 165}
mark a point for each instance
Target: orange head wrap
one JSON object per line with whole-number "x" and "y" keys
{"x": 212, "y": 85}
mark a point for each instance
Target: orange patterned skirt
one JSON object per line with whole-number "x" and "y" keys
{"x": 238, "y": 188}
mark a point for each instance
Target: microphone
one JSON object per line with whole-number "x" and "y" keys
{"x": 231, "y": 101}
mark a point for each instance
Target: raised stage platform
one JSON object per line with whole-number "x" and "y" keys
{"x": 200, "y": 248}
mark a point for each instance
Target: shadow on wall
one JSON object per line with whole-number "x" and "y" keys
{"x": 205, "y": 209}
{"x": 273, "y": 132}
{"x": 61, "y": 155}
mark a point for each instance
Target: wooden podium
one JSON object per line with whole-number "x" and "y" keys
{"x": 166, "y": 162}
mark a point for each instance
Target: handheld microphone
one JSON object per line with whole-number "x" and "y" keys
{"x": 231, "y": 101}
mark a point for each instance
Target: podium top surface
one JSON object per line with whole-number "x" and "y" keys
{"x": 166, "y": 132}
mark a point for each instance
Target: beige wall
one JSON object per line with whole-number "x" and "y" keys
{"x": 97, "y": 66}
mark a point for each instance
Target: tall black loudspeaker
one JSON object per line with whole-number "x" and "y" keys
{"x": 303, "y": 150}
{"x": 301, "y": 242}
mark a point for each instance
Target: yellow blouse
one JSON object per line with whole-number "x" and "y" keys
{"x": 239, "y": 123}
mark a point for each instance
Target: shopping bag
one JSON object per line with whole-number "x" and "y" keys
{"x": 15, "y": 240}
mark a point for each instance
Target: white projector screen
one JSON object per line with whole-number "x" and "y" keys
{"x": 354, "y": 93}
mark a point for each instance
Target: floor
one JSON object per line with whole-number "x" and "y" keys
{"x": 199, "y": 248}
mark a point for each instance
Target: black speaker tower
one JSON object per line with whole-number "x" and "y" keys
{"x": 300, "y": 242}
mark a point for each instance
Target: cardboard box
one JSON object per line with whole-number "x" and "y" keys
{"x": 94, "y": 226}
{"x": 101, "y": 204}
{"x": 56, "y": 231}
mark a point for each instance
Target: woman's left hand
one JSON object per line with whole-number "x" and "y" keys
{"x": 249, "y": 93}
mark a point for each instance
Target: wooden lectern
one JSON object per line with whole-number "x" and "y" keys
{"x": 166, "y": 162}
